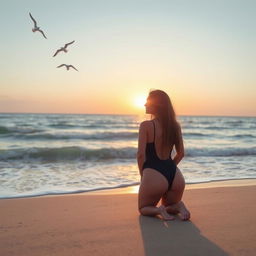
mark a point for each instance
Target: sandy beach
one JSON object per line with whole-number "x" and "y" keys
{"x": 108, "y": 223}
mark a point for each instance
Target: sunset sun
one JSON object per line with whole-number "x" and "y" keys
{"x": 139, "y": 101}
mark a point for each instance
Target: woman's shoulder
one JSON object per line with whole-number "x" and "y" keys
{"x": 145, "y": 124}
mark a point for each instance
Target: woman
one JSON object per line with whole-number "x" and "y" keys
{"x": 160, "y": 176}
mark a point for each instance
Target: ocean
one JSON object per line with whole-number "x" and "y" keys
{"x": 46, "y": 154}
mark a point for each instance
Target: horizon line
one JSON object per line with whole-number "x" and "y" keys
{"x": 45, "y": 113}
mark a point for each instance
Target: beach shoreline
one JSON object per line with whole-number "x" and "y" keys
{"x": 209, "y": 184}
{"x": 131, "y": 189}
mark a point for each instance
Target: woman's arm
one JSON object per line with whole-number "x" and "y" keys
{"x": 179, "y": 146}
{"x": 142, "y": 141}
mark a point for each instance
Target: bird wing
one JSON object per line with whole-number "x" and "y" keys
{"x": 73, "y": 67}
{"x": 35, "y": 24}
{"x": 61, "y": 65}
{"x": 42, "y": 33}
{"x": 56, "y": 52}
{"x": 66, "y": 45}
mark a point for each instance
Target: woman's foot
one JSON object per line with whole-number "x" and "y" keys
{"x": 164, "y": 213}
{"x": 184, "y": 212}
{"x": 180, "y": 209}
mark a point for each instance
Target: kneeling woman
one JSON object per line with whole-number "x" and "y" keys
{"x": 161, "y": 179}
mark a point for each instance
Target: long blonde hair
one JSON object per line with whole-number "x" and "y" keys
{"x": 165, "y": 113}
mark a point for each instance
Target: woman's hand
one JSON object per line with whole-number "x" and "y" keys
{"x": 179, "y": 146}
{"x": 142, "y": 141}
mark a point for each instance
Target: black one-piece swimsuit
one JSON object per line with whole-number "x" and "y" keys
{"x": 166, "y": 167}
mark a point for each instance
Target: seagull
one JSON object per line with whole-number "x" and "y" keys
{"x": 67, "y": 66}
{"x": 36, "y": 28}
{"x": 63, "y": 48}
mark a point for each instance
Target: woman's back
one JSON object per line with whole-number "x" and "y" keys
{"x": 155, "y": 132}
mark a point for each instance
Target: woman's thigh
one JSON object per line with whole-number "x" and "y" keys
{"x": 174, "y": 195}
{"x": 153, "y": 186}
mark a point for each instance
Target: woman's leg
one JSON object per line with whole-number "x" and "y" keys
{"x": 172, "y": 198}
{"x": 153, "y": 186}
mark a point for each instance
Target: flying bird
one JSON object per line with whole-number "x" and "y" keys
{"x": 36, "y": 28}
{"x": 63, "y": 48}
{"x": 67, "y": 66}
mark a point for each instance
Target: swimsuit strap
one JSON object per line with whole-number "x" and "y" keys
{"x": 154, "y": 130}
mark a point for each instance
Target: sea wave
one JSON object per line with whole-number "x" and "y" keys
{"x": 196, "y": 134}
{"x": 243, "y": 136}
{"x": 64, "y": 192}
{"x": 84, "y": 154}
{"x": 47, "y": 130}
{"x": 80, "y": 136}
{"x": 220, "y": 152}
{"x": 119, "y": 132}
{"x": 92, "y": 126}
{"x": 67, "y": 153}
{"x": 4, "y": 130}
{"x": 216, "y": 128}
{"x": 33, "y": 134}
{"x": 18, "y": 130}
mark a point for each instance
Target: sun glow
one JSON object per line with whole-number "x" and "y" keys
{"x": 139, "y": 101}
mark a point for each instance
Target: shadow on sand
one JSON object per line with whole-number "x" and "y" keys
{"x": 178, "y": 238}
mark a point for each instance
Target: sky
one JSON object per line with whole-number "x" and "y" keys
{"x": 202, "y": 53}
